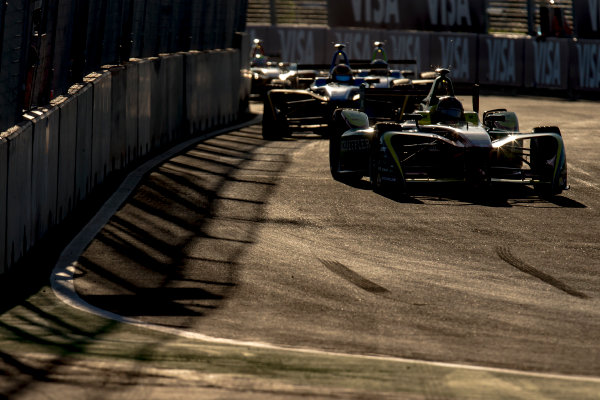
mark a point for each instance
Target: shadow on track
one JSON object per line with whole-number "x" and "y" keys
{"x": 498, "y": 195}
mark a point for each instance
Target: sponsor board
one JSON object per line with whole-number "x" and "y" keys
{"x": 552, "y": 63}
{"x": 359, "y": 43}
{"x": 437, "y": 15}
{"x": 299, "y": 45}
{"x": 585, "y": 65}
{"x": 500, "y": 60}
{"x": 456, "y": 52}
{"x": 409, "y": 46}
{"x": 547, "y": 62}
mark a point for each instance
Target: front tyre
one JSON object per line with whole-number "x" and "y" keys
{"x": 381, "y": 182}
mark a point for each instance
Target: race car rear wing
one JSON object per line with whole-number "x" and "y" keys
{"x": 367, "y": 64}
{"x": 354, "y": 64}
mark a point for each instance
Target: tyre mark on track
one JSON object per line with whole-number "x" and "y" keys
{"x": 505, "y": 254}
{"x": 354, "y": 278}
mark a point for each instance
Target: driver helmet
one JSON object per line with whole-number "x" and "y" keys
{"x": 379, "y": 67}
{"x": 449, "y": 110}
{"x": 259, "y": 60}
{"x": 341, "y": 73}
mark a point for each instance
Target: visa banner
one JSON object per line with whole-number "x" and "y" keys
{"x": 427, "y": 15}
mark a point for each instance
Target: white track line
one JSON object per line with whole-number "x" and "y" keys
{"x": 62, "y": 279}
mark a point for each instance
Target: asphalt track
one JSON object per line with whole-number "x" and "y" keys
{"x": 252, "y": 241}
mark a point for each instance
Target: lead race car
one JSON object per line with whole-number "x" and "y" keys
{"x": 331, "y": 86}
{"x": 438, "y": 141}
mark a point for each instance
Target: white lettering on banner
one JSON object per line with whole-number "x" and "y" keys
{"x": 594, "y": 11}
{"x": 501, "y": 56}
{"x": 589, "y": 73}
{"x": 378, "y": 11}
{"x": 358, "y": 44}
{"x": 455, "y": 56}
{"x": 449, "y": 12}
{"x": 547, "y": 63}
{"x": 406, "y": 47}
{"x": 297, "y": 45}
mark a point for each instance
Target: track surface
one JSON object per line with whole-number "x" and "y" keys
{"x": 253, "y": 240}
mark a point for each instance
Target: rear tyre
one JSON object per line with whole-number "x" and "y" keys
{"x": 382, "y": 186}
{"x": 271, "y": 129}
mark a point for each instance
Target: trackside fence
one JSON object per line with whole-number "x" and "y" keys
{"x": 118, "y": 115}
{"x": 566, "y": 66}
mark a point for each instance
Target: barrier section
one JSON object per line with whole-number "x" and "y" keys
{"x": 131, "y": 110}
{"x": 234, "y": 77}
{"x": 117, "y": 132}
{"x": 301, "y": 45}
{"x": 245, "y": 77}
{"x": 205, "y": 76}
{"x": 173, "y": 95}
{"x": 44, "y": 169}
{"x": 101, "y": 125}
{"x": 455, "y": 51}
{"x": 501, "y": 60}
{"x": 359, "y": 43}
{"x": 158, "y": 115}
{"x": 4, "y": 190}
{"x": 18, "y": 201}
{"x": 83, "y": 156}
{"x": 145, "y": 73}
{"x": 212, "y": 75}
{"x": 585, "y": 65}
{"x": 431, "y": 15}
{"x": 192, "y": 90}
{"x": 236, "y": 84}
{"x": 225, "y": 85}
{"x": 67, "y": 149}
{"x": 548, "y": 63}
{"x": 409, "y": 46}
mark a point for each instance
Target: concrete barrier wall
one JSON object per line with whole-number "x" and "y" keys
{"x": 144, "y": 106}
{"x": 83, "y": 154}
{"x": 114, "y": 118}
{"x": 101, "y": 125}
{"x": 4, "y": 191}
{"x": 18, "y": 192}
{"x": 131, "y": 111}
{"x": 158, "y": 107}
{"x": 118, "y": 111}
{"x": 44, "y": 169}
{"x": 67, "y": 150}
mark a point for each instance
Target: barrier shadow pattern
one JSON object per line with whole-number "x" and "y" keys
{"x": 171, "y": 252}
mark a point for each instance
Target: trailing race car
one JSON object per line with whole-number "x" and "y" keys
{"x": 332, "y": 86}
{"x": 441, "y": 142}
{"x": 267, "y": 73}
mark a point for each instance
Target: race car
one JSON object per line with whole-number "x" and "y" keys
{"x": 267, "y": 72}
{"x": 331, "y": 86}
{"x": 441, "y": 142}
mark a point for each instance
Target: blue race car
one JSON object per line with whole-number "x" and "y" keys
{"x": 328, "y": 87}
